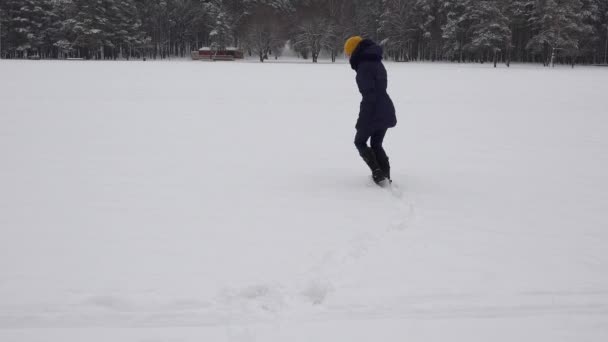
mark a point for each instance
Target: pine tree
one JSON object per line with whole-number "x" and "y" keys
{"x": 1, "y": 34}
{"x": 463, "y": 30}
{"x": 603, "y": 27}
{"x": 560, "y": 28}
{"x": 221, "y": 25}
{"x": 489, "y": 30}
{"x": 591, "y": 28}
{"x": 427, "y": 15}
{"x": 27, "y": 25}
{"x": 3, "y": 30}
{"x": 126, "y": 28}
{"x": 456, "y": 28}
{"x": 88, "y": 26}
{"x": 520, "y": 13}
{"x": 186, "y": 19}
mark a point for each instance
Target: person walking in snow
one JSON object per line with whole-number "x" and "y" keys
{"x": 377, "y": 112}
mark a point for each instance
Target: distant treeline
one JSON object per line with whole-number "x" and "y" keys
{"x": 565, "y": 31}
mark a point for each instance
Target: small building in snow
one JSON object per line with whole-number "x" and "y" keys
{"x": 227, "y": 54}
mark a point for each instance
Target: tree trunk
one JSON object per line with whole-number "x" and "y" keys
{"x": 606, "y": 49}
{"x": 460, "y": 56}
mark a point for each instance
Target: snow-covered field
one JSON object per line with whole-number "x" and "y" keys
{"x": 190, "y": 201}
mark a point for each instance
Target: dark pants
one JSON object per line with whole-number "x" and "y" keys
{"x": 376, "y": 138}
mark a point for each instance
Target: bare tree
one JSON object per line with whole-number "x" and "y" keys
{"x": 314, "y": 36}
{"x": 266, "y": 27}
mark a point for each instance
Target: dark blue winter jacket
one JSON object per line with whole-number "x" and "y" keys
{"x": 377, "y": 110}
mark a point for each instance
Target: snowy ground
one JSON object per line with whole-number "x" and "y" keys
{"x": 191, "y": 201}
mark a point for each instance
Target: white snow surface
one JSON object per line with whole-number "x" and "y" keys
{"x": 189, "y": 201}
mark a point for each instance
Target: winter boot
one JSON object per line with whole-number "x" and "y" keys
{"x": 385, "y": 166}
{"x": 369, "y": 157}
{"x": 382, "y": 159}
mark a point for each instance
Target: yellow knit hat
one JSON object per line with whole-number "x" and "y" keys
{"x": 351, "y": 44}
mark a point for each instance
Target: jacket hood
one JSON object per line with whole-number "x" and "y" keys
{"x": 366, "y": 51}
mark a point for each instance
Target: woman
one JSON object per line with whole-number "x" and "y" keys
{"x": 377, "y": 112}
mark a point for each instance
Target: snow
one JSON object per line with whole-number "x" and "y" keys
{"x": 128, "y": 213}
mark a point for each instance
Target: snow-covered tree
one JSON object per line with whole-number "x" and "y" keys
{"x": 455, "y": 30}
{"x": 519, "y": 13}
{"x": 127, "y": 32}
{"x": 314, "y": 36}
{"x": 225, "y": 17}
{"x": 27, "y": 26}
{"x": 366, "y": 18}
{"x": 397, "y": 28}
{"x": 463, "y": 30}
{"x": 339, "y": 14}
{"x": 411, "y": 29}
{"x": 590, "y": 39}
{"x": 603, "y": 27}
{"x": 266, "y": 24}
{"x": 476, "y": 29}
{"x": 560, "y": 28}
{"x": 257, "y": 32}
{"x": 322, "y": 25}
{"x": 427, "y": 14}
{"x": 2, "y": 36}
{"x": 489, "y": 31}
